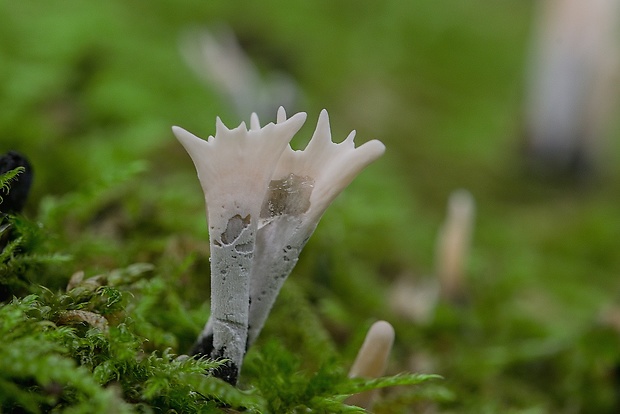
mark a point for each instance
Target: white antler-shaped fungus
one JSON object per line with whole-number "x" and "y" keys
{"x": 234, "y": 169}
{"x": 303, "y": 185}
{"x": 264, "y": 201}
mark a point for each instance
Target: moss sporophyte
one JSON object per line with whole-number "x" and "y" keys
{"x": 264, "y": 201}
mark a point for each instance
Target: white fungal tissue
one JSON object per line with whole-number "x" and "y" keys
{"x": 371, "y": 360}
{"x": 264, "y": 201}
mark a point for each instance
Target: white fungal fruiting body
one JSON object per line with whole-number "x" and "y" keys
{"x": 233, "y": 168}
{"x": 264, "y": 201}
{"x": 453, "y": 243}
{"x": 572, "y": 83}
{"x": 303, "y": 185}
{"x": 331, "y": 166}
{"x": 371, "y": 359}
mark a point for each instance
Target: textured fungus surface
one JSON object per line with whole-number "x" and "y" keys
{"x": 290, "y": 196}
{"x": 236, "y": 224}
{"x": 264, "y": 200}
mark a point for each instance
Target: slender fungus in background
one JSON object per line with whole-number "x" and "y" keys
{"x": 572, "y": 84}
{"x": 234, "y": 169}
{"x": 218, "y": 59}
{"x": 371, "y": 360}
{"x": 453, "y": 244}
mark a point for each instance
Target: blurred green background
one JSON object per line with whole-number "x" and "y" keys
{"x": 90, "y": 90}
